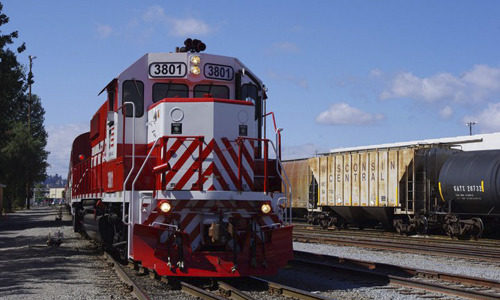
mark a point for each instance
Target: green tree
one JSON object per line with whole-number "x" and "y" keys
{"x": 23, "y": 159}
{"x": 12, "y": 78}
{"x": 24, "y": 162}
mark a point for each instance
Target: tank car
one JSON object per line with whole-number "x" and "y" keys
{"x": 176, "y": 172}
{"x": 411, "y": 188}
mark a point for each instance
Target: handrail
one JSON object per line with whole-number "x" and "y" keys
{"x": 133, "y": 159}
{"x": 286, "y": 182}
{"x": 139, "y": 173}
{"x": 164, "y": 142}
{"x": 277, "y": 131}
{"x": 279, "y": 166}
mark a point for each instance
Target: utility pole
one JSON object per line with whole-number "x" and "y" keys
{"x": 470, "y": 124}
{"x": 30, "y": 81}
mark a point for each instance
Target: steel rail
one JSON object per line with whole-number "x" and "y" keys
{"x": 231, "y": 292}
{"x": 198, "y": 292}
{"x": 377, "y": 233}
{"x": 392, "y": 244}
{"x": 289, "y": 291}
{"x": 454, "y": 278}
{"x": 411, "y": 282}
{"x": 135, "y": 289}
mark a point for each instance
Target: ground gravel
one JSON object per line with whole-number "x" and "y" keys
{"x": 474, "y": 268}
{"x": 29, "y": 269}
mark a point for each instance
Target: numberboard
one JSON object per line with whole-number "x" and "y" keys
{"x": 215, "y": 71}
{"x": 167, "y": 69}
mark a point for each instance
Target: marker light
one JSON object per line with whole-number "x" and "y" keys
{"x": 195, "y": 60}
{"x": 81, "y": 157}
{"x": 195, "y": 70}
{"x": 164, "y": 206}
{"x": 265, "y": 208}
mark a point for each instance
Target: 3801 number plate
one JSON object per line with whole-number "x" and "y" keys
{"x": 218, "y": 72}
{"x": 167, "y": 69}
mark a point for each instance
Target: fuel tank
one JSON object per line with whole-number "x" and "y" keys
{"x": 471, "y": 181}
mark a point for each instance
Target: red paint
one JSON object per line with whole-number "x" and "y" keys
{"x": 154, "y": 255}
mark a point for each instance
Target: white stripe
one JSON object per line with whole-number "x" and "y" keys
{"x": 225, "y": 175}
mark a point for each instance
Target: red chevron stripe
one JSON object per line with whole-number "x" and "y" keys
{"x": 151, "y": 218}
{"x": 169, "y": 152}
{"x": 160, "y": 182}
{"x": 247, "y": 155}
{"x": 180, "y": 162}
{"x": 233, "y": 155}
{"x": 194, "y": 233}
{"x": 191, "y": 170}
{"x": 220, "y": 179}
{"x": 187, "y": 219}
{"x": 225, "y": 164}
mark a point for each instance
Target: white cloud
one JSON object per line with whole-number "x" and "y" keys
{"x": 154, "y": 14}
{"x": 344, "y": 114}
{"x": 478, "y": 84}
{"x": 177, "y": 26}
{"x": 488, "y": 119}
{"x": 376, "y": 73}
{"x": 104, "y": 31}
{"x": 446, "y": 112}
{"x": 188, "y": 26}
{"x": 59, "y": 145}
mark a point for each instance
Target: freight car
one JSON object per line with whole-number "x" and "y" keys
{"x": 411, "y": 188}
{"x": 176, "y": 172}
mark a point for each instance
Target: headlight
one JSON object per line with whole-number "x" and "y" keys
{"x": 195, "y": 70}
{"x": 195, "y": 60}
{"x": 164, "y": 206}
{"x": 265, "y": 208}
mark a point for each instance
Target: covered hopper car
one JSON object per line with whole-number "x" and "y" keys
{"x": 176, "y": 172}
{"x": 412, "y": 188}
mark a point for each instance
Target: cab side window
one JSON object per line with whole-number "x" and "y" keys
{"x": 133, "y": 91}
{"x": 249, "y": 91}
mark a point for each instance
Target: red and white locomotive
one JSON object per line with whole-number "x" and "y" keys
{"x": 176, "y": 172}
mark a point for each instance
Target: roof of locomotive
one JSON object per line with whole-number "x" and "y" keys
{"x": 147, "y": 59}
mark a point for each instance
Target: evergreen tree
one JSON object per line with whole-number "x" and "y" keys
{"x": 23, "y": 159}
{"x": 12, "y": 78}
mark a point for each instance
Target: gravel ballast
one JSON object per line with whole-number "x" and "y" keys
{"x": 473, "y": 268}
{"x": 32, "y": 270}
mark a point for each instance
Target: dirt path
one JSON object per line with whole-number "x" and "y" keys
{"x": 29, "y": 269}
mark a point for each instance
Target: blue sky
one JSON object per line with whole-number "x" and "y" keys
{"x": 339, "y": 73}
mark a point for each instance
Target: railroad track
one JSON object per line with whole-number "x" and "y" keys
{"x": 445, "y": 283}
{"x": 414, "y": 245}
{"x": 377, "y": 233}
{"x": 224, "y": 289}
